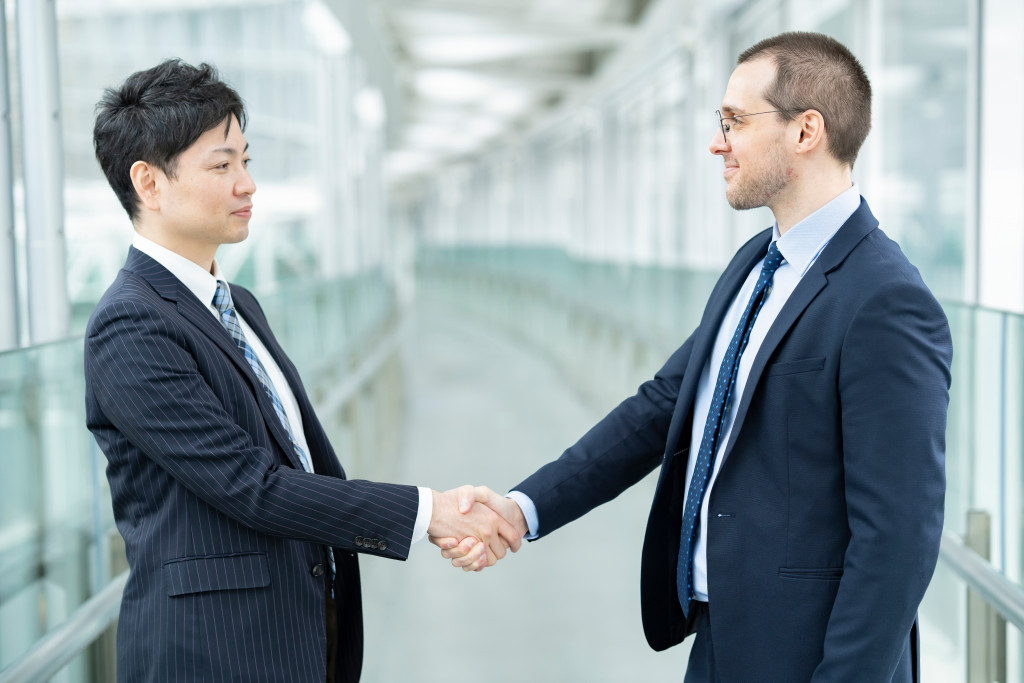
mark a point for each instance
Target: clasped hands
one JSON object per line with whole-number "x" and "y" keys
{"x": 472, "y": 535}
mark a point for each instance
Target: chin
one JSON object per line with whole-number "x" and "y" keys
{"x": 236, "y": 236}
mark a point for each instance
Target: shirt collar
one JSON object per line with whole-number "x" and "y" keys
{"x": 201, "y": 283}
{"x": 802, "y": 243}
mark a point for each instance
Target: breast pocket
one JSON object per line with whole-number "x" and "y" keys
{"x": 187, "y": 575}
{"x": 794, "y": 367}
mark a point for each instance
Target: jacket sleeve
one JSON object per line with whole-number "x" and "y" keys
{"x": 894, "y": 382}
{"x": 614, "y": 454}
{"x": 147, "y": 384}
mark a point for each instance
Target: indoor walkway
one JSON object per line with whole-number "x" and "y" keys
{"x": 483, "y": 410}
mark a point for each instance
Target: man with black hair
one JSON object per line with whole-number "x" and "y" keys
{"x": 240, "y": 527}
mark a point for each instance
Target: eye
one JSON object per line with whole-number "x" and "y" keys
{"x": 245, "y": 162}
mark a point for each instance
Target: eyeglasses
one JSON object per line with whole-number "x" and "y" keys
{"x": 727, "y": 127}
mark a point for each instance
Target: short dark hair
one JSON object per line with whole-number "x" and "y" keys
{"x": 815, "y": 71}
{"x": 156, "y": 115}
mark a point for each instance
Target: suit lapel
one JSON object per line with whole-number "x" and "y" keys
{"x": 190, "y": 308}
{"x": 320, "y": 451}
{"x": 813, "y": 282}
{"x": 704, "y": 337}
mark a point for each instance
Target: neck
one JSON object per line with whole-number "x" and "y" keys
{"x": 201, "y": 254}
{"x": 809, "y": 191}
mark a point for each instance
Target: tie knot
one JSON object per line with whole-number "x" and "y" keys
{"x": 773, "y": 259}
{"x": 222, "y": 297}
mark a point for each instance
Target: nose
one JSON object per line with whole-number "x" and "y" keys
{"x": 246, "y": 185}
{"x": 719, "y": 144}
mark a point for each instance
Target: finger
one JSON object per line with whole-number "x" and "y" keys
{"x": 461, "y": 550}
{"x": 509, "y": 534}
{"x": 444, "y": 543}
{"x": 496, "y": 550}
{"x": 471, "y": 559}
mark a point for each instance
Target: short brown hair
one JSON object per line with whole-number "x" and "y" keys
{"x": 814, "y": 71}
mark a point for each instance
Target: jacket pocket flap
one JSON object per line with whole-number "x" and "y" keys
{"x": 216, "y": 573}
{"x": 795, "y": 366}
{"x": 813, "y": 573}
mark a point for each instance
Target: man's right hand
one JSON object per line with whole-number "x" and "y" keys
{"x": 485, "y": 535}
{"x": 468, "y": 553}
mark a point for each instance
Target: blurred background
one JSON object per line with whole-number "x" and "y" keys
{"x": 479, "y": 225}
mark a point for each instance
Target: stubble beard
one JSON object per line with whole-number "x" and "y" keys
{"x": 763, "y": 188}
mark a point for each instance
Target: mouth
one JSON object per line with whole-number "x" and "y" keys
{"x": 244, "y": 212}
{"x": 730, "y": 171}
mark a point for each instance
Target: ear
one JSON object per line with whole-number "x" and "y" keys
{"x": 810, "y": 131}
{"x": 145, "y": 180}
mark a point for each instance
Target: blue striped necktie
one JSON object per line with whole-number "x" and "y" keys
{"x": 222, "y": 302}
{"x": 721, "y": 401}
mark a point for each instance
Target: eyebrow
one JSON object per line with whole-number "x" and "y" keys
{"x": 731, "y": 111}
{"x": 229, "y": 150}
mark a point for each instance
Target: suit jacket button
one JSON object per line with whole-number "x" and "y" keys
{"x": 383, "y": 545}
{"x": 317, "y": 570}
{"x": 359, "y": 541}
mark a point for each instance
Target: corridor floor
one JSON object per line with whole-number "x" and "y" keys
{"x": 483, "y": 409}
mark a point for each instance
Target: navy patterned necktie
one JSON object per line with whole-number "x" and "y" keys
{"x": 721, "y": 401}
{"x": 222, "y": 302}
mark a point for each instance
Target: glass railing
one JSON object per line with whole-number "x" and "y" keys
{"x": 58, "y": 543}
{"x": 610, "y": 327}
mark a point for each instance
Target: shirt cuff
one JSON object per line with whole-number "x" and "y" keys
{"x": 529, "y": 512}
{"x": 423, "y": 514}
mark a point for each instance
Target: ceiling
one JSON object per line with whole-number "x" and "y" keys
{"x": 474, "y": 72}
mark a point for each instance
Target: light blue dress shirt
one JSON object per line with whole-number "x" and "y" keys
{"x": 800, "y": 248}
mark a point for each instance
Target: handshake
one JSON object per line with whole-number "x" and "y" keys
{"x": 474, "y": 526}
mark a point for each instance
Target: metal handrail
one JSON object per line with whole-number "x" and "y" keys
{"x": 52, "y": 652}
{"x": 1005, "y": 596}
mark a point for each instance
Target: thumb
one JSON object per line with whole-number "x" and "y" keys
{"x": 465, "y": 499}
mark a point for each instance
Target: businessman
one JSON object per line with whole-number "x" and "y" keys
{"x": 240, "y": 527}
{"x": 800, "y": 429}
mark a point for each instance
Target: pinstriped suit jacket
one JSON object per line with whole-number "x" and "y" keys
{"x": 225, "y": 533}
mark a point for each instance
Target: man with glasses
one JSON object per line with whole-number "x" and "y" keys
{"x": 800, "y": 429}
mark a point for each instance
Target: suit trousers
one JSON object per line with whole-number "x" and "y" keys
{"x": 701, "y": 667}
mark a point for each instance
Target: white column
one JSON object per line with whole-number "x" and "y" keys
{"x": 8, "y": 258}
{"x": 43, "y": 165}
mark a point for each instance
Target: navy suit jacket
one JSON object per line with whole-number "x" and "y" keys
{"x": 825, "y": 519}
{"x": 225, "y": 534}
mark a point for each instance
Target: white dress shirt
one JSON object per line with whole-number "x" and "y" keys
{"x": 203, "y": 285}
{"x": 800, "y": 248}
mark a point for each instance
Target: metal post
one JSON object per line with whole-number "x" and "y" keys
{"x": 43, "y": 165}
{"x": 986, "y": 629}
{"x": 9, "y": 336}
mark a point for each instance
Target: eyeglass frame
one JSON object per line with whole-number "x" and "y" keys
{"x": 723, "y": 119}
